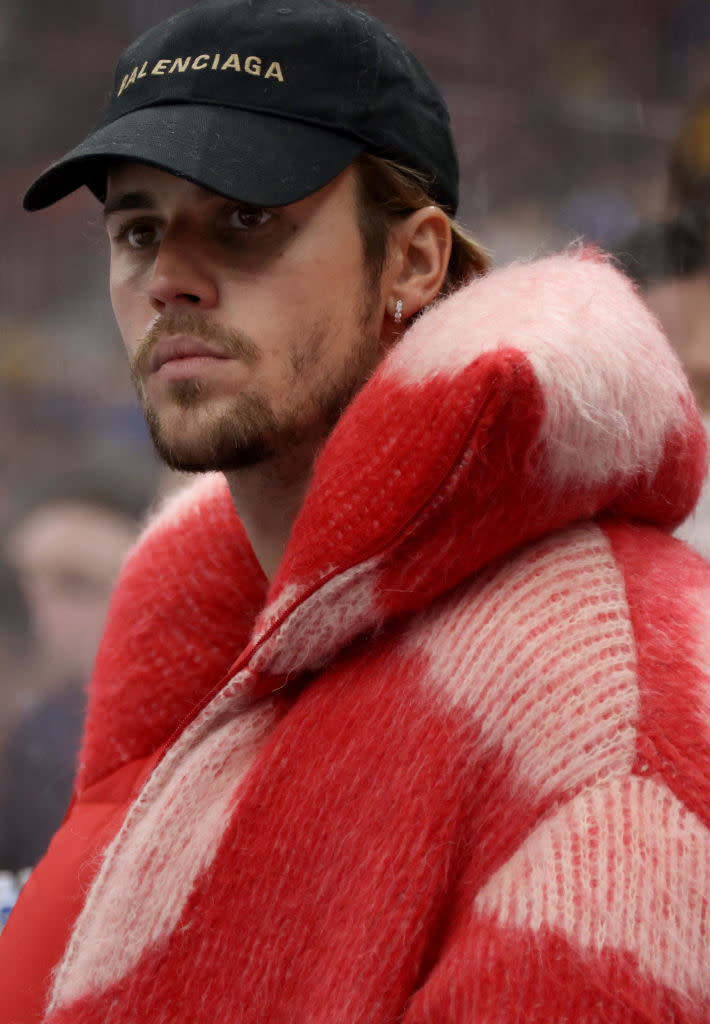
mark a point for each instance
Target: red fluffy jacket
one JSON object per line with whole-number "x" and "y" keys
{"x": 454, "y": 764}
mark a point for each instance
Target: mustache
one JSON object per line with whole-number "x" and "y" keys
{"x": 234, "y": 343}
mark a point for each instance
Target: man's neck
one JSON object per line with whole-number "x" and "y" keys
{"x": 267, "y": 498}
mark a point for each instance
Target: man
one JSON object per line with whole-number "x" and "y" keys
{"x": 670, "y": 263}
{"x": 67, "y": 551}
{"x": 403, "y": 713}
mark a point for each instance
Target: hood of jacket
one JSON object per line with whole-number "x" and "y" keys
{"x": 537, "y": 396}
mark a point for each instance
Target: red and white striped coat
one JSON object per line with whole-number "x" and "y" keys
{"x": 454, "y": 764}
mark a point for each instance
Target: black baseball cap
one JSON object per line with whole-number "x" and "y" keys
{"x": 264, "y": 101}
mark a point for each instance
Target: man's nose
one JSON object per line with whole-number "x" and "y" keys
{"x": 181, "y": 276}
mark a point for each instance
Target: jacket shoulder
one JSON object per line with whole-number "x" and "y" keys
{"x": 183, "y": 609}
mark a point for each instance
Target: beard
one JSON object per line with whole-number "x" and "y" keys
{"x": 236, "y": 438}
{"x": 243, "y": 429}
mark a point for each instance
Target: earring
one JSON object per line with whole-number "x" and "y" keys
{"x": 398, "y": 307}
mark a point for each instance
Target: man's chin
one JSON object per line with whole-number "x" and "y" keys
{"x": 197, "y": 439}
{"x": 220, "y": 448}
{"x": 226, "y": 455}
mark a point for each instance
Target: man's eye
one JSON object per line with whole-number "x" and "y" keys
{"x": 244, "y": 217}
{"x": 140, "y": 235}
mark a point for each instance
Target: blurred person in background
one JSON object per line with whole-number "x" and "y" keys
{"x": 670, "y": 262}
{"x": 66, "y": 554}
{"x": 400, "y": 713}
{"x": 689, "y": 164}
{"x": 14, "y": 642}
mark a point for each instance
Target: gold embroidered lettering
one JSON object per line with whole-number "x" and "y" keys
{"x": 275, "y": 71}
{"x": 204, "y": 61}
{"x": 180, "y": 64}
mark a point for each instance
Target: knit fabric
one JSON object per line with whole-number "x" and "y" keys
{"x": 455, "y": 765}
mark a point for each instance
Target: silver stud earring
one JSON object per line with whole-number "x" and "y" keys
{"x": 398, "y": 307}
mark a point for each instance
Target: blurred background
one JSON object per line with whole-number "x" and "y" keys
{"x": 569, "y": 119}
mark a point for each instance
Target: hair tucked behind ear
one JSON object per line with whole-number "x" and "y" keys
{"x": 387, "y": 191}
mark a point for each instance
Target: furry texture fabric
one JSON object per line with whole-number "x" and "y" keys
{"x": 455, "y": 764}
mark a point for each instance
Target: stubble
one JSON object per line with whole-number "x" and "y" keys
{"x": 245, "y": 430}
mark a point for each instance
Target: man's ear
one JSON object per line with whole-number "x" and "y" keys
{"x": 420, "y": 246}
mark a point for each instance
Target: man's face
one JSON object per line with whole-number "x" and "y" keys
{"x": 248, "y": 330}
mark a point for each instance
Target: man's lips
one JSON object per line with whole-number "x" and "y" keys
{"x": 177, "y": 347}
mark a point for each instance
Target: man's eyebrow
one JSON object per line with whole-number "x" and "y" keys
{"x": 129, "y": 201}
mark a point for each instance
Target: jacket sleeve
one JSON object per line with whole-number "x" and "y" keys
{"x": 600, "y": 917}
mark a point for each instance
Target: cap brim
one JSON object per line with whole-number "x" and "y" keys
{"x": 256, "y": 158}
